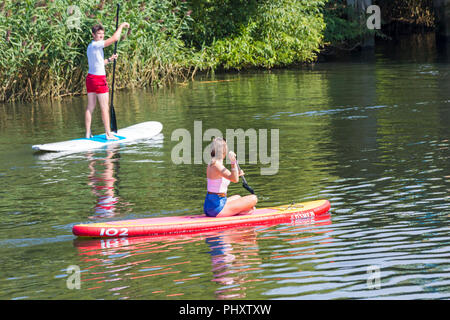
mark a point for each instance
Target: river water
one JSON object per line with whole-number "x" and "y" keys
{"x": 369, "y": 132}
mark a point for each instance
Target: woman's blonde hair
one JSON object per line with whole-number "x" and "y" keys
{"x": 218, "y": 148}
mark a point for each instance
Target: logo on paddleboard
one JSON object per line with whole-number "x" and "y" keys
{"x": 301, "y": 216}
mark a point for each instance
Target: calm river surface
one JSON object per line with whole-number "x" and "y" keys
{"x": 370, "y": 133}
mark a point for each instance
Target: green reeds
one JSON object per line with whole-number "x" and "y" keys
{"x": 43, "y": 44}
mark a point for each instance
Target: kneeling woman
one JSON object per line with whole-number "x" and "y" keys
{"x": 216, "y": 203}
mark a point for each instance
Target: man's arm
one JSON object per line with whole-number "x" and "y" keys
{"x": 116, "y": 36}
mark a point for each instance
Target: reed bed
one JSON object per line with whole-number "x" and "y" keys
{"x": 43, "y": 43}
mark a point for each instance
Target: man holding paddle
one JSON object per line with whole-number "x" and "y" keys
{"x": 97, "y": 87}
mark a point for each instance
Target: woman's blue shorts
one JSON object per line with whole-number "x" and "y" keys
{"x": 213, "y": 204}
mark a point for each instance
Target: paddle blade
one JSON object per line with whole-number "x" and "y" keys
{"x": 246, "y": 186}
{"x": 249, "y": 189}
{"x": 113, "y": 121}
{"x": 244, "y": 182}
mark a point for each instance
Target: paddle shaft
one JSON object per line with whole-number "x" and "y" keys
{"x": 113, "y": 121}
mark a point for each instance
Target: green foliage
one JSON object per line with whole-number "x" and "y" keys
{"x": 44, "y": 55}
{"x": 271, "y": 33}
{"x": 168, "y": 40}
{"x": 218, "y": 19}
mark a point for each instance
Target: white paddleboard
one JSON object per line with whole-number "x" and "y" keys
{"x": 144, "y": 130}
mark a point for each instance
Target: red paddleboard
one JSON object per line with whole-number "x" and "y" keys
{"x": 198, "y": 223}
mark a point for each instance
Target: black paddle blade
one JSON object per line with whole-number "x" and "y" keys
{"x": 246, "y": 186}
{"x": 113, "y": 121}
{"x": 249, "y": 189}
{"x": 244, "y": 182}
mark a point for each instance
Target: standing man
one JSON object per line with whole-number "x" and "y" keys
{"x": 97, "y": 87}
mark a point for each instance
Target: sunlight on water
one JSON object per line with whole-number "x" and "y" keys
{"x": 361, "y": 135}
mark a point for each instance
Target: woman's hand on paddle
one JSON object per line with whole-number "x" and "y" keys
{"x": 232, "y": 156}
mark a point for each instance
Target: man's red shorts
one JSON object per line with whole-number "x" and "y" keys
{"x": 96, "y": 83}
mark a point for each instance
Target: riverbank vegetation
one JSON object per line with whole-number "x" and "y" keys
{"x": 44, "y": 43}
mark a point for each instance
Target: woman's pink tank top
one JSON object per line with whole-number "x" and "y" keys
{"x": 218, "y": 185}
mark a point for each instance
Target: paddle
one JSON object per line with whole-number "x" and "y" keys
{"x": 113, "y": 121}
{"x": 244, "y": 182}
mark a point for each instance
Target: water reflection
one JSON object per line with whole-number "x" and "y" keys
{"x": 370, "y": 137}
{"x": 165, "y": 265}
{"x": 234, "y": 258}
{"x": 103, "y": 180}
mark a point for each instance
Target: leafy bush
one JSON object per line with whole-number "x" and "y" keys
{"x": 271, "y": 33}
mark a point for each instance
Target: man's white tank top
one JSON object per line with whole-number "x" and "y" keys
{"x": 96, "y": 58}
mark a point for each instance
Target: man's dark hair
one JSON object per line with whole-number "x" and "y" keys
{"x": 96, "y": 28}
